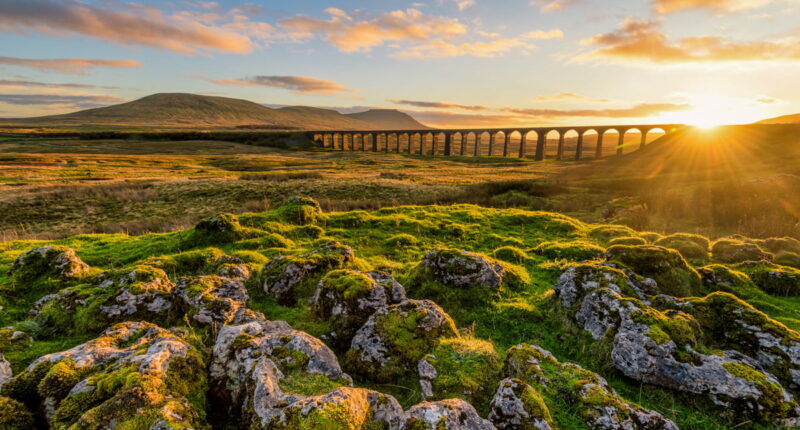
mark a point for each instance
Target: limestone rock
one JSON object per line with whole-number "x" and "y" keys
{"x": 347, "y": 298}
{"x": 395, "y": 338}
{"x": 346, "y": 408}
{"x": 462, "y": 269}
{"x": 283, "y": 276}
{"x": 215, "y": 299}
{"x": 518, "y": 406}
{"x": 5, "y": 370}
{"x": 450, "y": 414}
{"x": 673, "y": 275}
{"x": 115, "y": 380}
{"x": 597, "y": 403}
{"x": 663, "y": 348}
{"x": 56, "y": 261}
{"x": 252, "y": 357}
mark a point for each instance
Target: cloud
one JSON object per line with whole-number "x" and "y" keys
{"x": 543, "y": 35}
{"x": 718, "y": 6}
{"x": 642, "y": 110}
{"x": 438, "y": 105}
{"x": 76, "y": 66}
{"x": 73, "y": 101}
{"x": 297, "y": 84}
{"x": 36, "y": 84}
{"x": 639, "y": 41}
{"x": 560, "y": 97}
{"x": 185, "y": 33}
{"x": 463, "y": 4}
{"x": 552, "y": 5}
{"x": 349, "y": 34}
{"x": 766, "y": 100}
{"x": 438, "y": 49}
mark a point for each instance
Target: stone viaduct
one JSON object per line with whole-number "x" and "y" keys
{"x": 454, "y": 142}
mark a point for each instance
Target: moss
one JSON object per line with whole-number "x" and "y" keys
{"x": 402, "y": 240}
{"x": 308, "y": 384}
{"x": 194, "y": 262}
{"x": 666, "y": 266}
{"x": 350, "y": 219}
{"x": 533, "y": 403}
{"x": 776, "y": 245}
{"x": 650, "y": 236}
{"x": 350, "y": 284}
{"x": 60, "y": 379}
{"x": 717, "y": 277}
{"x": 510, "y": 254}
{"x": 301, "y": 210}
{"x": 58, "y": 262}
{"x": 737, "y": 251}
{"x": 306, "y": 232}
{"x": 604, "y": 233}
{"x": 219, "y": 229}
{"x": 789, "y": 259}
{"x": 573, "y": 251}
{"x": 14, "y": 415}
{"x": 269, "y": 240}
{"x": 675, "y": 326}
{"x": 466, "y": 368}
{"x": 773, "y": 279}
{"x": 692, "y": 247}
{"x": 772, "y": 405}
{"x": 627, "y": 240}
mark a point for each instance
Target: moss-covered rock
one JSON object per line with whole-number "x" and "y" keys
{"x": 776, "y": 245}
{"x": 627, "y": 240}
{"x": 667, "y": 267}
{"x": 347, "y": 298}
{"x": 301, "y": 210}
{"x": 465, "y": 368}
{"x": 511, "y": 254}
{"x": 692, "y": 247}
{"x": 518, "y": 406}
{"x": 14, "y": 415}
{"x": 573, "y": 251}
{"x": 402, "y": 240}
{"x": 445, "y": 414}
{"x": 772, "y": 278}
{"x": 5, "y": 370}
{"x": 139, "y": 292}
{"x": 604, "y": 233}
{"x": 219, "y": 229}
{"x": 289, "y": 278}
{"x": 136, "y": 375}
{"x": 212, "y": 300}
{"x": 650, "y": 236}
{"x": 790, "y": 259}
{"x": 593, "y": 399}
{"x": 737, "y": 251}
{"x": 394, "y": 339}
{"x": 343, "y": 408}
{"x": 718, "y": 277}
{"x": 48, "y": 261}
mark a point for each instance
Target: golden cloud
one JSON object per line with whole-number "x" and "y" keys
{"x": 726, "y": 6}
{"x": 297, "y": 84}
{"x": 644, "y": 42}
{"x": 438, "y": 105}
{"x": 560, "y": 97}
{"x": 135, "y": 25}
{"x": 77, "y": 66}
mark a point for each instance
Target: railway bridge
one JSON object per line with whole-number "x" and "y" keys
{"x": 456, "y": 142}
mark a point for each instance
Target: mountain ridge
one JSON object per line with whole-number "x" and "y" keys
{"x": 185, "y": 110}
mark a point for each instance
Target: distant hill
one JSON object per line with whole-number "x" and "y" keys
{"x": 180, "y": 110}
{"x": 785, "y": 119}
{"x": 388, "y": 119}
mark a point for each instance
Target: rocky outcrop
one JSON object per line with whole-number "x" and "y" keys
{"x": 5, "y": 371}
{"x": 211, "y": 299}
{"x": 395, "y": 338}
{"x": 672, "y": 274}
{"x": 134, "y": 372}
{"x": 461, "y": 269}
{"x": 664, "y": 348}
{"x": 345, "y": 408}
{"x": 451, "y": 414}
{"x": 254, "y": 361}
{"x": 597, "y": 403}
{"x": 289, "y": 278}
{"x": 518, "y": 406}
{"x": 347, "y": 298}
{"x": 48, "y": 261}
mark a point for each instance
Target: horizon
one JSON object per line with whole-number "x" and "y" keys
{"x": 522, "y": 62}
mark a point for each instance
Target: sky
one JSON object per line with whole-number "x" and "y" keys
{"x": 449, "y": 63}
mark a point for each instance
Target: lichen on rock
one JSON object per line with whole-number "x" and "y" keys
{"x": 445, "y": 414}
{"x": 518, "y": 406}
{"x": 211, "y": 299}
{"x": 347, "y": 298}
{"x": 667, "y": 267}
{"x": 395, "y": 338}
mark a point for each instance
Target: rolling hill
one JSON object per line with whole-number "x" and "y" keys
{"x": 181, "y": 110}
{"x": 785, "y": 119}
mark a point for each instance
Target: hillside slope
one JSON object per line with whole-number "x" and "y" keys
{"x": 180, "y": 110}
{"x": 389, "y": 119}
{"x": 785, "y": 119}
